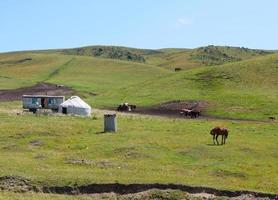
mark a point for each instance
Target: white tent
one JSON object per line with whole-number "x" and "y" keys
{"x": 75, "y": 105}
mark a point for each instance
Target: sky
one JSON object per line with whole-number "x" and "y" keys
{"x": 153, "y": 24}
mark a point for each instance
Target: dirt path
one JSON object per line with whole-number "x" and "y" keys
{"x": 172, "y": 109}
{"x": 175, "y": 114}
{"x": 168, "y": 109}
{"x": 59, "y": 69}
{"x": 40, "y": 88}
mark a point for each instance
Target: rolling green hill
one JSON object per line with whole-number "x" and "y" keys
{"x": 238, "y": 89}
{"x": 168, "y": 58}
{"x": 246, "y": 89}
{"x": 203, "y": 56}
{"x": 216, "y": 55}
{"x": 112, "y": 52}
{"x": 233, "y": 83}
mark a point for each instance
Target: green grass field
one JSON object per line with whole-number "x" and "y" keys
{"x": 50, "y": 149}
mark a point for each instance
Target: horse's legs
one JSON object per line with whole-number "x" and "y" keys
{"x": 216, "y": 139}
{"x": 213, "y": 139}
{"x": 222, "y": 138}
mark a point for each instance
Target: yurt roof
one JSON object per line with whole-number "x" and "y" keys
{"x": 75, "y": 101}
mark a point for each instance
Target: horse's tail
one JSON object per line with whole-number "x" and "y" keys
{"x": 226, "y": 133}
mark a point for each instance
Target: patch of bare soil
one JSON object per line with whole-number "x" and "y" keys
{"x": 132, "y": 191}
{"x": 172, "y": 108}
{"x": 14, "y": 62}
{"x": 103, "y": 164}
{"x": 129, "y": 153}
{"x": 35, "y": 143}
{"x": 16, "y": 184}
{"x": 38, "y": 89}
{"x": 79, "y": 162}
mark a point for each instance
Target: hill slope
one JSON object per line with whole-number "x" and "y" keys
{"x": 242, "y": 89}
{"x": 203, "y": 56}
{"x": 246, "y": 89}
{"x": 112, "y": 52}
{"x": 58, "y": 150}
{"x": 170, "y": 58}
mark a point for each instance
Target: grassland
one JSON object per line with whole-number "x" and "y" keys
{"x": 66, "y": 150}
{"x": 146, "y": 149}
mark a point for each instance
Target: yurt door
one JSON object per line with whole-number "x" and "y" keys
{"x": 64, "y": 110}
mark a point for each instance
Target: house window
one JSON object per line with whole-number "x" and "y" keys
{"x": 51, "y": 101}
{"x": 34, "y": 100}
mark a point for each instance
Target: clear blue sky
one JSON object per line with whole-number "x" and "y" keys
{"x": 38, "y": 24}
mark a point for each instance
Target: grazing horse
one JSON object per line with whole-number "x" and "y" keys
{"x": 215, "y": 132}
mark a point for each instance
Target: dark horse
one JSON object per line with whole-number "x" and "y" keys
{"x": 190, "y": 113}
{"x": 215, "y": 132}
{"x": 126, "y": 107}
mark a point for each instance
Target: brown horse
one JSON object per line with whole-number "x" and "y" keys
{"x": 215, "y": 132}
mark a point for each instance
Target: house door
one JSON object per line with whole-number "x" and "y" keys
{"x": 64, "y": 110}
{"x": 43, "y": 102}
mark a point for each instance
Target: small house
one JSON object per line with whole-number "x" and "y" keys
{"x": 75, "y": 105}
{"x": 35, "y": 102}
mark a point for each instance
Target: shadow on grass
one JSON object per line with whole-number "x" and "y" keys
{"x": 100, "y": 132}
{"x": 219, "y": 145}
{"x": 104, "y": 132}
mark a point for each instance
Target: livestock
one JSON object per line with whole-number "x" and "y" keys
{"x": 190, "y": 113}
{"x": 215, "y": 132}
{"x": 126, "y": 107}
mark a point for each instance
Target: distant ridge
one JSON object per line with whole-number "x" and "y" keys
{"x": 111, "y": 52}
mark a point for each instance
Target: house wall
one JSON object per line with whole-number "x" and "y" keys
{"x": 35, "y": 102}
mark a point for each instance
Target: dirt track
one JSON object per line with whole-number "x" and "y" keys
{"x": 40, "y": 88}
{"x": 172, "y": 110}
{"x": 20, "y": 184}
{"x": 168, "y": 109}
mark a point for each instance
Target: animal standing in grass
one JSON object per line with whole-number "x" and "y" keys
{"x": 215, "y": 132}
{"x": 190, "y": 113}
{"x": 126, "y": 107}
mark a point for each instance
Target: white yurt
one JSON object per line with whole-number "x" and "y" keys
{"x": 75, "y": 105}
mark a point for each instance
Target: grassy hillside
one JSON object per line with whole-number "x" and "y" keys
{"x": 169, "y": 58}
{"x": 67, "y": 150}
{"x": 245, "y": 89}
{"x": 203, "y": 56}
{"x": 216, "y": 55}
{"x": 112, "y": 52}
{"x": 26, "y": 68}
